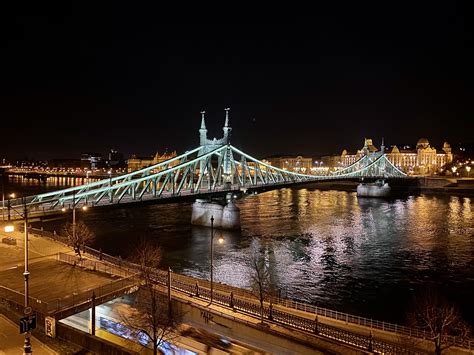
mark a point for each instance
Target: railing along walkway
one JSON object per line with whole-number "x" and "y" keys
{"x": 189, "y": 284}
{"x": 192, "y": 287}
{"x": 115, "y": 287}
{"x": 227, "y": 295}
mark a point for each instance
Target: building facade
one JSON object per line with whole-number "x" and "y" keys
{"x": 297, "y": 164}
{"x": 135, "y": 163}
{"x": 420, "y": 160}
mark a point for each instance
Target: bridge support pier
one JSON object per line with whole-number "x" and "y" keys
{"x": 226, "y": 215}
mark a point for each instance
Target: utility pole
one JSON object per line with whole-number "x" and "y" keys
{"x": 212, "y": 257}
{"x": 74, "y": 217}
{"x": 26, "y": 274}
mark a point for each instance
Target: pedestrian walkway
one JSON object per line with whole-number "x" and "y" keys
{"x": 39, "y": 248}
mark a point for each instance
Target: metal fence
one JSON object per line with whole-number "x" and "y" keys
{"x": 189, "y": 285}
{"x": 114, "y": 287}
{"x": 19, "y": 299}
{"x": 198, "y": 288}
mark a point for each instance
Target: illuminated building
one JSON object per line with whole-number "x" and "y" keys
{"x": 135, "y": 163}
{"x": 94, "y": 159}
{"x": 421, "y": 160}
{"x": 298, "y": 164}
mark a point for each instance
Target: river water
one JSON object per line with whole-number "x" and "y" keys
{"x": 362, "y": 256}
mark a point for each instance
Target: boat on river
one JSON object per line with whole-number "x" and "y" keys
{"x": 379, "y": 188}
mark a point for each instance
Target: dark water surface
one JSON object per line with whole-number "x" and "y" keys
{"x": 363, "y": 256}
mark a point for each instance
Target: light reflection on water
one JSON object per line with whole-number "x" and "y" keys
{"x": 363, "y": 256}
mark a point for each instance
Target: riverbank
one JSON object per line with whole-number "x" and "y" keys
{"x": 420, "y": 185}
{"x": 242, "y": 308}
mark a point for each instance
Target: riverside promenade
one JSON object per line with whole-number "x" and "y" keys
{"x": 320, "y": 330}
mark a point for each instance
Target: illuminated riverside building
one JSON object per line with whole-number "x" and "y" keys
{"x": 135, "y": 163}
{"x": 297, "y": 164}
{"x": 421, "y": 160}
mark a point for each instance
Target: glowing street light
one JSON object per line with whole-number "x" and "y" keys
{"x": 468, "y": 169}
{"x": 64, "y": 209}
{"x": 221, "y": 240}
{"x": 10, "y": 228}
{"x": 453, "y": 169}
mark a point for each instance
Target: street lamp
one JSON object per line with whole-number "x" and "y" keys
{"x": 9, "y": 226}
{"x": 26, "y": 273}
{"x": 3, "y": 195}
{"x": 221, "y": 240}
{"x": 468, "y": 169}
{"x": 84, "y": 208}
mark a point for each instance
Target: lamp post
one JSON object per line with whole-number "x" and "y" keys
{"x": 9, "y": 227}
{"x": 3, "y": 196}
{"x": 221, "y": 240}
{"x": 26, "y": 273}
{"x": 212, "y": 257}
{"x": 84, "y": 208}
{"x": 110, "y": 185}
{"x": 468, "y": 169}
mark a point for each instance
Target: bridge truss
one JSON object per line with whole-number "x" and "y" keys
{"x": 219, "y": 171}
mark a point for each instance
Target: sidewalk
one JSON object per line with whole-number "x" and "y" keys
{"x": 11, "y": 341}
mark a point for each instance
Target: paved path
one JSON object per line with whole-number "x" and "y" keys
{"x": 11, "y": 341}
{"x": 39, "y": 248}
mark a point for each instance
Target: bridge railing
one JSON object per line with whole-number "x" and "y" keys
{"x": 19, "y": 299}
{"x": 75, "y": 299}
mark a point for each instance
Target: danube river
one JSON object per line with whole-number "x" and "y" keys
{"x": 363, "y": 256}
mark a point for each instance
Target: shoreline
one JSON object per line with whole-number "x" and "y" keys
{"x": 431, "y": 187}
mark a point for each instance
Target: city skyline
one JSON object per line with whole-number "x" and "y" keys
{"x": 313, "y": 86}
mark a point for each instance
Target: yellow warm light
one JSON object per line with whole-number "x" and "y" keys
{"x": 63, "y": 209}
{"x": 221, "y": 240}
{"x": 12, "y": 195}
{"x": 9, "y": 228}
{"x": 84, "y": 208}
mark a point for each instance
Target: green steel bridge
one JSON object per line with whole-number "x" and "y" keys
{"x": 214, "y": 169}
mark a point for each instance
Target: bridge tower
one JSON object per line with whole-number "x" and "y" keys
{"x": 226, "y": 214}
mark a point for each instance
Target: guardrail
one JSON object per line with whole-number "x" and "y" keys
{"x": 59, "y": 304}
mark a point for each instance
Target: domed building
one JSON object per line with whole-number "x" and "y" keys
{"x": 422, "y": 160}
{"x": 422, "y": 143}
{"x": 349, "y": 158}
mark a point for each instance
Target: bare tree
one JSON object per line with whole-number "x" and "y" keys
{"x": 441, "y": 320}
{"x": 151, "y": 313}
{"x": 261, "y": 282}
{"x": 78, "y": 236}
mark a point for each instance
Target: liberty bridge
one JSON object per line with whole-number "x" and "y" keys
{"x": 214, "y": 175}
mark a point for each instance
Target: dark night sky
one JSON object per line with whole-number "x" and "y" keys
{"x": 308, "y": 85}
